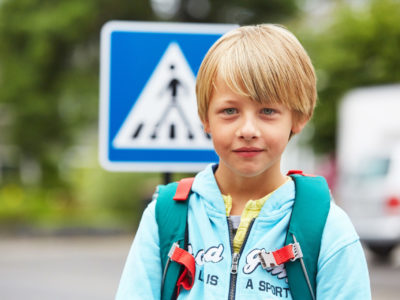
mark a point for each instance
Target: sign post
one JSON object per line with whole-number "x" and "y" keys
{"x": 148, "y": 111}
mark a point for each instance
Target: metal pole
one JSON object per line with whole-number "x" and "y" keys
{"x": 167, "y": 177}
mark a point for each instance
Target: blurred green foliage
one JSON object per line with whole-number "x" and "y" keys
{"x": 49, "y": 71}
{"x": 357, "y": 46}
{"x": 99, "y": 199}
{"x": 121, "y": 195}
{"x": 49, "y": 62}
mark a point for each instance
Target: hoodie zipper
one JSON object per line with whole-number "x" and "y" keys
{"x": 235, "y": 258}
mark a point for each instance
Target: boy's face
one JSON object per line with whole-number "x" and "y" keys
{"x": 249, "y": 137}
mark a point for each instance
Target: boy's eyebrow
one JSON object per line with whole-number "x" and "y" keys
{"x": 229, "y": 101}
{"x": 269, "y": 104}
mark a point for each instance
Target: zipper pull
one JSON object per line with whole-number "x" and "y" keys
{"x": 235, "y": 262}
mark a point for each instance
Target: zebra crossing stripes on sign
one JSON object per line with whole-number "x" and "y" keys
{"x": 148, "y": 111}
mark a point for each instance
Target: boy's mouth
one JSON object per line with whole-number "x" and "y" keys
{"x": 248, "y": 151}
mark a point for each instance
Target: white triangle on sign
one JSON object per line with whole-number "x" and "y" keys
{"x": 165, "y": 114}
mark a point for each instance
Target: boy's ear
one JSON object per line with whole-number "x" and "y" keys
{"x": 206, "y": 126}
{"x": 299, "y": 124}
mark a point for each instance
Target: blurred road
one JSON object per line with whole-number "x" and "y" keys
{"x": 61, "y": 268}
{"x": 90, "y": 268}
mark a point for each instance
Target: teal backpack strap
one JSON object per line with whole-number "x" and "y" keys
{"x": 309, "y": 214}
{"x": 171, "y": 217}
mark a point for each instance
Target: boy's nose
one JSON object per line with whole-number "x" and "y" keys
{"x": 248, "y": 129}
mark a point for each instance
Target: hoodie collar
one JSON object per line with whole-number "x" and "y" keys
{"x": 207, "y": 188}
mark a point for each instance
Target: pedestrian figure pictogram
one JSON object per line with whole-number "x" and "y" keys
{"x": 173, "y": 86}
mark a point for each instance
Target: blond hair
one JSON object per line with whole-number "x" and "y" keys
{"x": 263, "y": 62}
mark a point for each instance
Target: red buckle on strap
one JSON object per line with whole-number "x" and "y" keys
{"x": 272, "y": 259}
{"x": 183, "y": 189}
{"x": 284, "y": 254}
{"x": 184, "y": 258}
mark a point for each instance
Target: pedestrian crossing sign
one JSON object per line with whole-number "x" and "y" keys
{"x": 148, "y": 110}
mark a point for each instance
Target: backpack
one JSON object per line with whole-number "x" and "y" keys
{"x": 305, "y": 228}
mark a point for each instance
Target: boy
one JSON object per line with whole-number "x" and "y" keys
{"x": 255, "y": 89}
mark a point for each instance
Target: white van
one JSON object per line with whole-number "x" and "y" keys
{"x": 369, "y": 164}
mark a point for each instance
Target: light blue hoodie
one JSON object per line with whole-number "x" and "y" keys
{"x": 342, "y": 269}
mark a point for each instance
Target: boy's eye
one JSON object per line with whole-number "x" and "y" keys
{"x": 230, "y": 111}
{"x": 267, "y": 111}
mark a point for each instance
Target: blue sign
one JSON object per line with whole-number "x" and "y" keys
{"x": 148, "y": 110}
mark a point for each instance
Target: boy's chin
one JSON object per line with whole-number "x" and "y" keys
{"x": 251, "y": 172}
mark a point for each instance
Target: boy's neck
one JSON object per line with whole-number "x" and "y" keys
{"x": 242, "y": 189}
